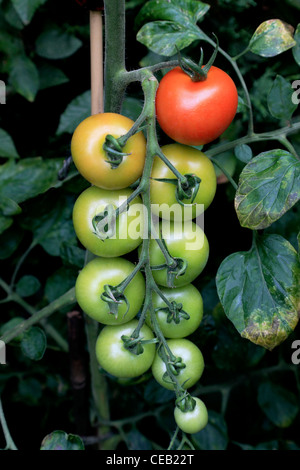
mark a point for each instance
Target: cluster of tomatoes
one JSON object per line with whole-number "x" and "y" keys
{"x": 110, "y": 288}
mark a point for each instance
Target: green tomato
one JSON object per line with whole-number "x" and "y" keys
{"x": 183, "y": 240}
{"x": 188, "y": 161}
{"x": 192, "y": 358}
{"x": 192, "y": 421}
{"x": 112, "y": 271}
{"x": 175, "y": 325}
{"x": 128, "y": 228}
{"x": 118, "y": 361}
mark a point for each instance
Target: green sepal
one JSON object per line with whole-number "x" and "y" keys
{"x": 114, "y": 298}
{"x": 175, "y": 312}
{"x": 185, "y": 402}
{"x": 113, "y": 151}
{"x": 104, "y": 223}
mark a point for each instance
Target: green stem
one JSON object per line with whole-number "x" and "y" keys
{"x": 10, "y": 445}
{"x": 65, "y": 299}
{"x": 114, "y": 69}
{"x": 278, "y": 135}
{"x": 228, "y": 176}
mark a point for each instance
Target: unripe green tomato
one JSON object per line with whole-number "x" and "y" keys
{"x": 187, "y": 160}
{"x": 127, "y": 229}
{"x": 193, "y": 421}
{"x": 184, "y": 240}
{"x": 118, "y": 361}
{"x": 192, "y": 358}
{"x": 112, "y": 271}
{"x": 192, "y": 303}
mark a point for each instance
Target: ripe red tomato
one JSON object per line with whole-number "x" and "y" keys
{"x": 195, "y": 113}
{"x": 90, "y": 158}
{"x": 187, "y": 160}
{"x": 128, "y": 226}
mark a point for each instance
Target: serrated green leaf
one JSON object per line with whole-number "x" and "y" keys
{"x": 24, "y": 77}
{"x": 60, "y": 440}
{"x": 27, "y": 8}
{"x": 272, "y": 37}
{"x": 27, "y": 286}
{"x": 259, "y": 290}
{"x": 280, "y": 102}
{"x": 280, "y": 405}
{"x": 76, "y": 111}
{"x": 7, "y": 146}
{"x": 34, "y": 343}
{"x": 28, "y": 177}
{"x": 269, "y": 185}
{"x": 56, "y": 43}
{"x": 184, "y": 12}
{"x": 165, "y": 37}
{"x": 243, "y": 153}
{"x": 296, "y": 48}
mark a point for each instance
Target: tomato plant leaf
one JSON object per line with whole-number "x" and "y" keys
{"x": 27, "y": 8}
{"x": 279, "y": 404}
{"x": 27, "y": 285}
{"x": 51, "y": 76}
{"x": 173, "y": 25}
{"x": 269, "y": 185}
{"x": 60, "y": 440}
{"x": 165, "y": 37}
{"x": 56, "y": 43}
{"x": 76, "y": 111}
{"x": 5, "y": 223}
{"x": 272, "y": 37}
{"x": 7, "y": 146}
{"x": 27, "y": 178}
{"x": 50, "y": 220}
{"x": 34, "y": 343}
{"x": 296, "y": 48}
{"x": 243, "y": 153}
{"x": 280, "y": 102}
{"x": 24, "y": 77}
{"x": 214, "y": 436}
{"x": 183, "y": 12}
{"x": 259, "y": 290}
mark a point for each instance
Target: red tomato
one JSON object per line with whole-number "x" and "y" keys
{"x": 195, "y": 113}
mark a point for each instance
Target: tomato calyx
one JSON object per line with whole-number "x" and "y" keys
{"x": 104, "y": 223}
{"x": 185, "y": 402}
{"x": 114, "y": 297}
{"x": 197, "y": 72}
{"x": 114, "y": 151}
{"x": 174, "y": 366}
{"x": 175, "y": 312}
{"x": 134, "y": 343}
{"x": 187, "y": 188}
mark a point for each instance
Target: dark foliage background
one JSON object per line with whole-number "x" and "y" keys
{"x": 252, "y": 395}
